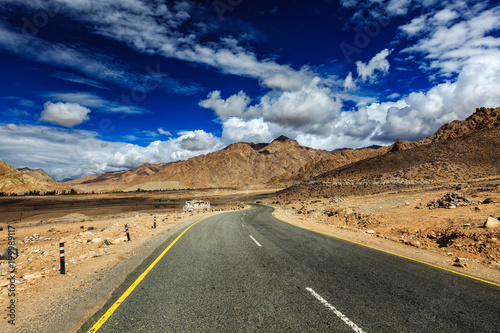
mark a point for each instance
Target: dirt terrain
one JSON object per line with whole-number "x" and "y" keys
{"x": 98, "y": 258}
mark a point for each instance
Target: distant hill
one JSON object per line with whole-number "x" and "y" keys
{"x": 38, "y": 174}
{"x": 15, "y": 181}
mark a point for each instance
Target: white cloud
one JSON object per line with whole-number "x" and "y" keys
{"x": 70, "y": 153}
{"x": 446, "y": 15}
{"x": 96, "y": 102}
{"x": 349, "y": 83}
{"x": 398, "y": 7}
{"x": 65, "y": 114}
{"x": 235, "y": 105}
{"x": 247, "y": 130}
{"x": 379, "y": 63}
{"x": 311, "y": 109}
{"x": 162, "y": 131}
{"x": 197, "y": 140}
{"x": 152, "y": 29}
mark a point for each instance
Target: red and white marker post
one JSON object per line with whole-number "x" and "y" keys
{"x": 126, "y": 230}
{"x": 154, "y": 226}
{"x": 61, "y": 257}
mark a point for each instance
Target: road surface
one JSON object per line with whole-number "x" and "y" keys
{"x": 246, "y": 271}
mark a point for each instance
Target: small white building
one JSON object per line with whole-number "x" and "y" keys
{"x": 196, "y": 205}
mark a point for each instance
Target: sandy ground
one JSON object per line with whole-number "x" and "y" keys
{"x": 452, "y": 238}
{"x": 98, "y": 258}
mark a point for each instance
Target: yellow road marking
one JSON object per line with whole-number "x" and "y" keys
{"x": 122, "y": 298}
{"x": 395, "y": 254}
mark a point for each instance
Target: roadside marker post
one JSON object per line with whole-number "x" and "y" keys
{"x": 126, "y": 230}
{"x": 154, "y": 226}
{"x": 61, "y": 257}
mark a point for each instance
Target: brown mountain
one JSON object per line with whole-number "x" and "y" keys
{"x": 242, "y": 164}
{"x": 119, "y": 177}
{"x": 334, "y": 161}
{"x": 38, "y": 174}
{"x": 14, "y": 181}
{"x": 460, "y": 150}
{"x": 239, "y": 164}
{"x": 481, "y": 119}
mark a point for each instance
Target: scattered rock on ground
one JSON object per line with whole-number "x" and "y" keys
{"x": 450, "y": 201}
{"x": 491, "y": 222}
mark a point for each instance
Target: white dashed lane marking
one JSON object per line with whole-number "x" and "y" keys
{"x": 339, "y": 314}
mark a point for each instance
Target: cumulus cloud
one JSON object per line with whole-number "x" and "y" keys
{"x": 197, "y": 140}
{"x": 311, "y": 109}
{"x": 65, "y": 153}
{"x": 378, "y": 64}
{"x": 234, "y": 106}
{"x": 64, "y": 114}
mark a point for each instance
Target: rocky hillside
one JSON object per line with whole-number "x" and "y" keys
{"x": 481, "y": 119}
{"x": 14, "y": 181}
{"x": 240, "y": 164}
{"x": 38, "y": 174}
{"x": 120, "y": 177}
{"x": 465, "y": 157}
{"x": 334, "y": 161}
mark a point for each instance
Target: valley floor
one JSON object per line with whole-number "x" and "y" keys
{"x": 99, "y": 258}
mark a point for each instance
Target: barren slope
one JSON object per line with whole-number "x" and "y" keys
{"x": 119, "y": 177}
{"x": 475, "y": 155}
{"x": 38, "y": 174}
{"x": 14, "y": 181}
{"x": 241, "y": 164}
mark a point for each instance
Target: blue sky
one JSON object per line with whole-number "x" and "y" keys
{"x": 92, "y": 86}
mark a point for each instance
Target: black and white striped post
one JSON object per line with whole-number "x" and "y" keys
{"x": 154, "y": 226}
{"x": 126, "y": 230}
{"x": 61, "y": 257}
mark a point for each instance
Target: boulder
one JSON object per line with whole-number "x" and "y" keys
{"x": 6, "y": 254}
{"x": 488, "y": 201}
{"x": 491, "y": 222}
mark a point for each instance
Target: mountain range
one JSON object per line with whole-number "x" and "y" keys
{"x": 459, "y": 150}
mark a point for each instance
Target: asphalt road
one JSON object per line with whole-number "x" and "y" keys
{"x": 249, "y": 272}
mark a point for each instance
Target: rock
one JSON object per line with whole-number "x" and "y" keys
{"x": 370, "y": 231}
{"x": 488, "y": 201}
{"x": 460, "y": 262}
{"x": 452, "y": 207}
{"x": 477, "y": 208}
{"x": 96, "y": 240}
{"x": 415, "y": 243}
{"x": 107, "y": 242}
{"x": 119, "y": 240}
{"x": 7, "y": 254}
{"x": 491, "y": 223}
{"x": 32, "y": 276}
{"x": 420, "y": 206}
